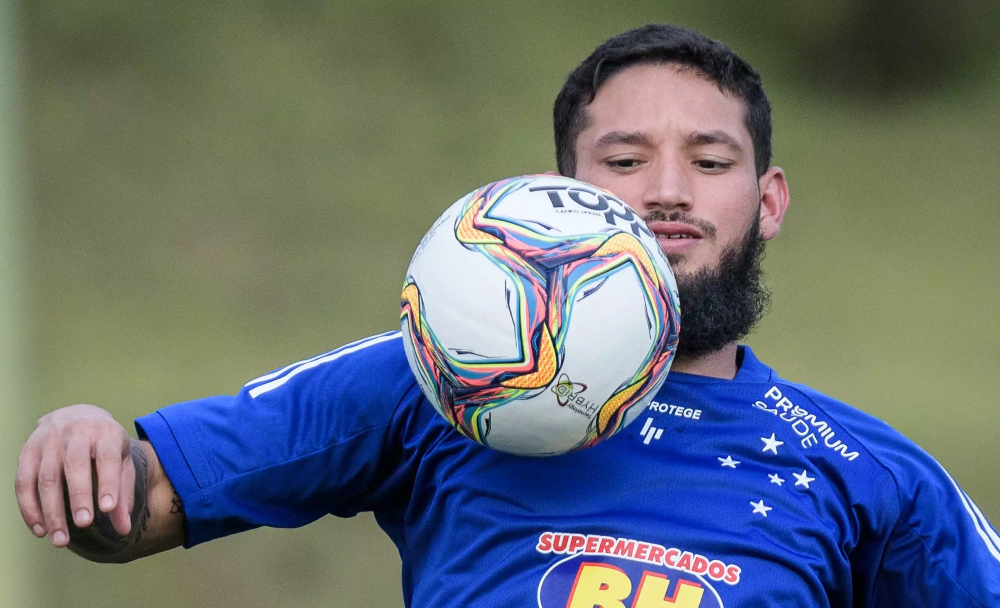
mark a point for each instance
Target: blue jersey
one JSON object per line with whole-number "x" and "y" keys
{"x": 745, "y": 492}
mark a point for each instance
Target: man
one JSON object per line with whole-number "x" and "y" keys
{"x": 760, "y": 492}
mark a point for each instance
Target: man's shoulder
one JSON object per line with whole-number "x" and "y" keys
{"x": 853, "y": 433}
{"x": 798, "y": 402}
{"x": 939, "y": 541}
{"x": 839, "y": 411}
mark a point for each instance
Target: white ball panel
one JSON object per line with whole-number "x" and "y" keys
{"x": 607, "y": 337}
{"x": 536, "y": 426}
{"x": 463, "y": 295}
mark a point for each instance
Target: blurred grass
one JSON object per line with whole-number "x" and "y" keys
{"x": 17, "y": 577}
{"x": 219, "y": 189}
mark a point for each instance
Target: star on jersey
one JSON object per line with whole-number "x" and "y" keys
{"x": 775, "y": 479}
{"x": 758, "y": 507}
{"x": 729, "y": 462}
{"x": 803, "y": 479}
{"x": 771, "y": 444}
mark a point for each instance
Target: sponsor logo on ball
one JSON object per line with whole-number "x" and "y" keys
{"x": 569, "y": 393}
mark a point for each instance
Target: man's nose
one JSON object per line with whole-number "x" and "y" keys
{"x": 668, "y": 188}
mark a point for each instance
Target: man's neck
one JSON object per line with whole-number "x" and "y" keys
{"x": 720, "y": 364}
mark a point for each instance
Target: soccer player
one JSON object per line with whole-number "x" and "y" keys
{"x": 735, "y": 488}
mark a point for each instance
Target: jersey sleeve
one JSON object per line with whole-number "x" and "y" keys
{"x": 942, "y": 551}
{"x": 333, "y": 434}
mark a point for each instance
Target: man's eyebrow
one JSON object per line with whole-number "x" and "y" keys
{"x": 628, "y": 138}
{"x": 707, "y": 138}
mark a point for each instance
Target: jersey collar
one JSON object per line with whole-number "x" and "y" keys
{"x": 751, "y": 370}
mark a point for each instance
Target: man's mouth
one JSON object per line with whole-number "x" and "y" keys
{"x": 676, "y": 237}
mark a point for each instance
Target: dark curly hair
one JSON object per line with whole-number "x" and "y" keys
{"x": 660, "y": 43}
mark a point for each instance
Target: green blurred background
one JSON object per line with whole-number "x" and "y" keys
{"x": 215, "y": 189}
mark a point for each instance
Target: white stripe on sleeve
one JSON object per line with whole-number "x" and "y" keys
{"x": 317, "y": 361}
{"x": 986, "y": 524}
{"x": 281, "y": 371}
{"x": 988, "y": 535}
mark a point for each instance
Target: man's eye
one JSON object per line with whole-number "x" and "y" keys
{"x": 712, "y": 165}
{"x": 623, "y": 163}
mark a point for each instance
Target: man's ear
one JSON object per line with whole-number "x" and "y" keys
{"x": 773, "y": 201}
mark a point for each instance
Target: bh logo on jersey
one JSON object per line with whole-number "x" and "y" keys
{"x": 587, "y": 581}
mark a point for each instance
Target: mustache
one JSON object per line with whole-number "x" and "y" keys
{"x": 658, "y": 215}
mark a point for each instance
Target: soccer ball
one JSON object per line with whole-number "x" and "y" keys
{"x": 539, "y": 315}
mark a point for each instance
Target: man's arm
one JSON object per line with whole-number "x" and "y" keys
{"x": 940, "y": 550}
{"x": 335, "y": 434}
{"x": 79, "y": 454}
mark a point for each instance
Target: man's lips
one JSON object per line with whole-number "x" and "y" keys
{"x": 675, "y": 230}
{"x": 676, "y": 237}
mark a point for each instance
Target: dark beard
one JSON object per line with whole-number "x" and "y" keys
{"x": 722, "y": 304}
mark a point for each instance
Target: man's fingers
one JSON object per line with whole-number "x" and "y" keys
{"x": 50, "y": 476}
{"x": 79, "y": 481}
{"x": 56, "y": 471}
{"x": 108, "y": 453}
{"x": 121, "y": 518}
{"x": 26, "y": 488}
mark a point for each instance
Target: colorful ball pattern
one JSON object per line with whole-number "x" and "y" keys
{"x": 539, "y": 315}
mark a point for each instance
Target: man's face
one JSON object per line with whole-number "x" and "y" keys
{"x": 669, "y": 143}
{"x": 675, "y": 148}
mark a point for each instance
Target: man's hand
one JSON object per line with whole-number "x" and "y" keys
{"x": 80, "y": 458}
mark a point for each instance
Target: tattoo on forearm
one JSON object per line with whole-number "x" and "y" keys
{"x": 100, "y": 539}
{"x": 176, "y": 506}
{"x": 140, "y": 512}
